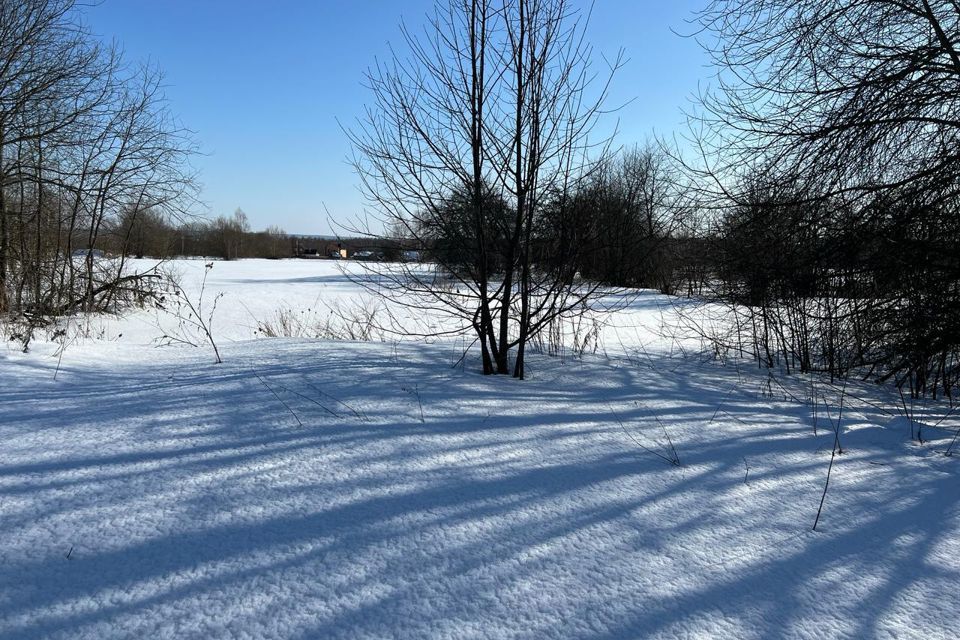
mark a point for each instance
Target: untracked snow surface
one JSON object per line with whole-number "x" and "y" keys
{"x": 317, "y": 489}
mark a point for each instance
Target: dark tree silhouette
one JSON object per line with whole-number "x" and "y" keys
{"x": 831, "y": 143}
{"x": 469, "y": 137}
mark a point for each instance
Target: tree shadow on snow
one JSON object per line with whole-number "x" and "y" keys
{"x": 323, "y": 490}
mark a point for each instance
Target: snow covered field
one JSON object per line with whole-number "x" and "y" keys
{"x": 321, "y": 489}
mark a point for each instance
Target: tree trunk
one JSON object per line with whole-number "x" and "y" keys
{"x": 4, "y": 233}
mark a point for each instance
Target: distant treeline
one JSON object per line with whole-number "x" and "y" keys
{"x": 148, "y": 234}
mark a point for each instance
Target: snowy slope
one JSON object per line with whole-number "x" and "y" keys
{"x": 309, "y": 489}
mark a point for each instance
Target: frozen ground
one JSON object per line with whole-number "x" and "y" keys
{"x": 307, "y": 489}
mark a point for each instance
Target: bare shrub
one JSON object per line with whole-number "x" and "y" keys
{"x": 194, "y": 324}
{"x": 573, "y": 335}
{"x": 359, "y": 322}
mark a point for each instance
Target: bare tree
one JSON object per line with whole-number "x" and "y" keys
{"x": 230, "y": 233}
{"x": 487, "y": 120}
{"x": 84, "y": 140}
{"x": 833, "y": 133}
{"x": 627, "y": 216}
{"x": 850, "y": 97}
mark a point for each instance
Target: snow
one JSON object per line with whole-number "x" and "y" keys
{"x": 324, "y": 489}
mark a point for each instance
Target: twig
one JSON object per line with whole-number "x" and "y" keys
{"x": 722, "y": 401}
{"x": 813, "y": 400}
{"x": 63, "y": 347}
{"x": 675, "y": 463}
{"x": 907, "y": 413}
{"x": 309, "y": 399}
{"x": 195, "y": 317}
{"x": 356, "y": 414}
{"x": 416, "y": 392}
{"x": 952, "y": 442}
{"x": 463, "y": 356}
{"x": 833, "y": 455}
{"x": 675, "y": 459}
{"x": 277, "y": 396}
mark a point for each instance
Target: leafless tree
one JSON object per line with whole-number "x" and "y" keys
{"x": 486, "y": 120}
{"x": 628, "y": 216}
{"x": 846, "y": 97}
{"x": 831, "y": 142}
{"x": 85, "y": 139}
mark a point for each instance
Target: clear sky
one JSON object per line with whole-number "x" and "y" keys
{"x": 263, "y": 83}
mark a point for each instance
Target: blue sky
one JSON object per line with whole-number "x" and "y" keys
{"x": 263, "y": 83}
